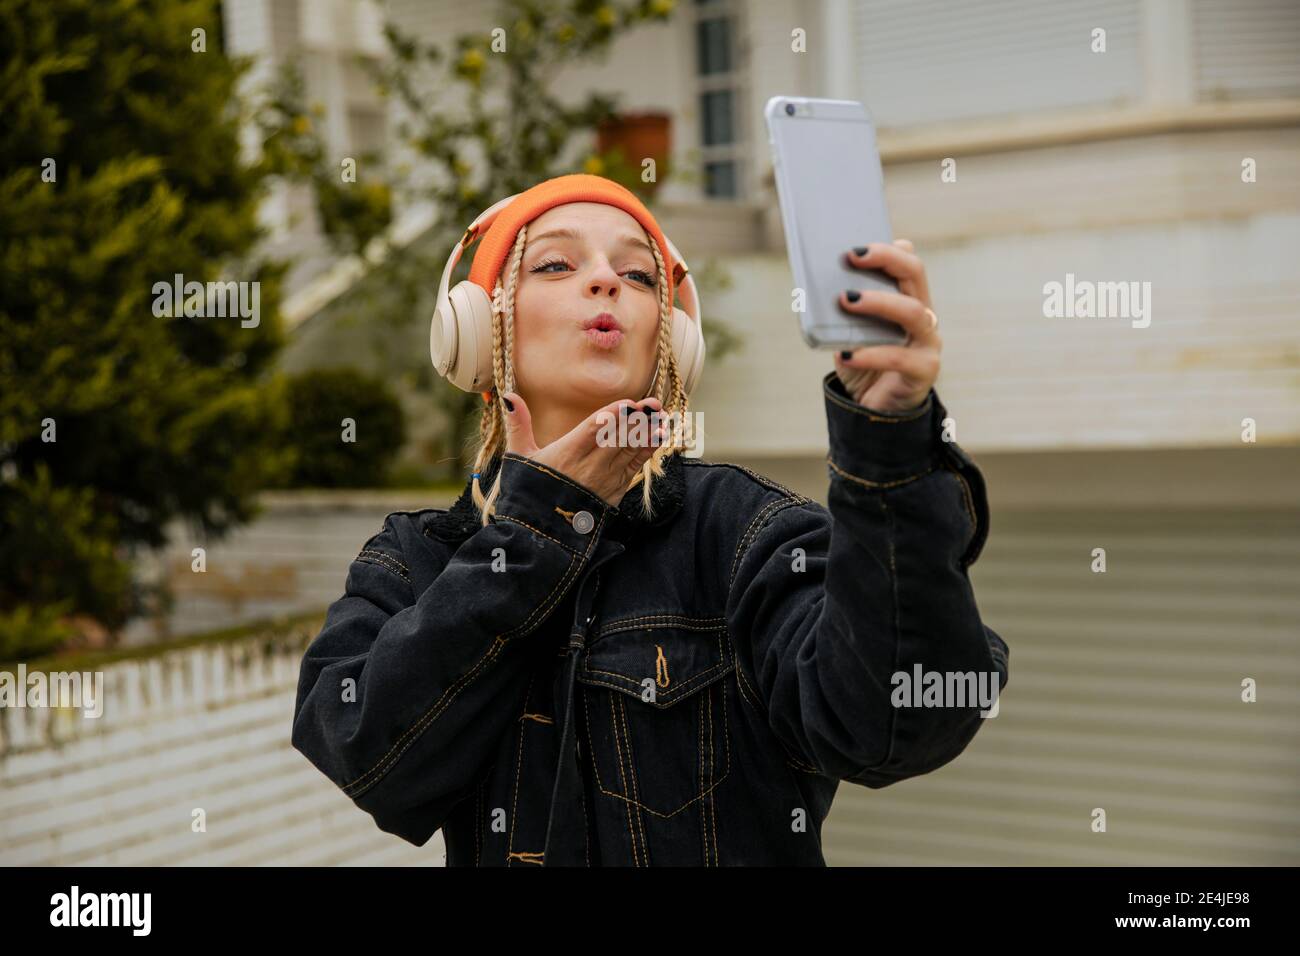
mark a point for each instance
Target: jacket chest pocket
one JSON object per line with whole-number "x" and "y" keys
{"x": 655, "y": 706}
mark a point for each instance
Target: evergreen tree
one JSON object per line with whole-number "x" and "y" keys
{"x": 120, "y": 168}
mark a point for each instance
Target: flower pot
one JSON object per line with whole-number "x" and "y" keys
{"x": 640, "y": 136}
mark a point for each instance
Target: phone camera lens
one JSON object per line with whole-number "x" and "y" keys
{"x": 789, "y": 109}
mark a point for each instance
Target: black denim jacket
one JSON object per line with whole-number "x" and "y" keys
{"x": 686, "y": 688}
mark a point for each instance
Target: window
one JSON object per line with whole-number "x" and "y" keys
{"x": 366, "y": 129}
{"x": 719, "y": 97}
{"x": 286, "y": 26}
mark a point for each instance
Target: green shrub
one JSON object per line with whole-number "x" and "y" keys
{"x": 345, "y": 429}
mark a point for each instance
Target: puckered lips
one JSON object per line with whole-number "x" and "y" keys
{"x": 603, "y": 331}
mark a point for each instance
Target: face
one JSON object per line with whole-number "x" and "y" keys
{"x": 600, "y": 270}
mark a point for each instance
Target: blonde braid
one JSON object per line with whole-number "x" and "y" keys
{"x": 492, "y": 428}
{"x": 668, "y": 385}
{"x": 491, "y": 425}
{"x": 511, "y": 286}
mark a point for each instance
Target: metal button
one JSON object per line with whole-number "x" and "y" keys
{"x": 583, "y": 522}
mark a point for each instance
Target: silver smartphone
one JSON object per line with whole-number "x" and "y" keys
{"x": 832, "y": 195}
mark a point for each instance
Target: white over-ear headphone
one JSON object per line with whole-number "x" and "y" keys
{"x": 460, "y": 335}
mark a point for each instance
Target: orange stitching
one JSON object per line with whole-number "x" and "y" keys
{"x": 741, "y": 680}
{"x": 969, "y": 502}
{"x": 478, "y": 825}
{"x": 554, "y": 474}
{"x": 671, "y": 620}
{"x": 665, "y": 816}
{"x": 519, "y": 763}
{"x": 595, "y": 764}
{"x": 582, "y": 795}
{"x": 861, "y": 409}
{"x": 636, "y": 782}
{"x": 763, "y": 480}
{"x": 459, "y": 685}
{"x": 526, "y": 857}
{"x": 710, "y": 805}
{"x": 704, "y": 805}
{"x": 745, "y": 539}
{"x": 540, "y": 718}
{"x": 661, "y": 668}
{"x": 622, "y": 778}
{"x": 726, "y": 662}
{"x": 898, "y": 635}
{"x": 677, "y": 691}
{"x": 876, "y": 484}
{"x": 726, "y": 742}
{"x": 740, "y": 683}
{"x": 401, "y": 569}
{"x": 800, "y": 766}
{"x": 566, "y": 547}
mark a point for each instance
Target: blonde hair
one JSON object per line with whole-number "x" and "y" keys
{"x": 668, "y": 387}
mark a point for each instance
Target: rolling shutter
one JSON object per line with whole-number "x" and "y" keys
{"x": 1125, "y": 694}
{"x": 1246, "y": 49}
{"x": 927, "y": 61}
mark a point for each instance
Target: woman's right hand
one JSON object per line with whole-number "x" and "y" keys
{"x": 604, "y": 470}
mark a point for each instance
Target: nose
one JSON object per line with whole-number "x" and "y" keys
{"x": 604, "y": 279}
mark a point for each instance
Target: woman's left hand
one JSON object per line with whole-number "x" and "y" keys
{"x": 893, "y": 378}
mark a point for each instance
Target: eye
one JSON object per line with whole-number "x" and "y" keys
{"x": 544, "y": 264}
{"x": 647, "y": 279}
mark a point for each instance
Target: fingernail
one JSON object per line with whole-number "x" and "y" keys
{"x": 622, "y": 410}
{"x": 510, "y": 406}
{"x": 853, "y": 295}
{"x": 846, "y": 354}
{"x": 860, "y": 250}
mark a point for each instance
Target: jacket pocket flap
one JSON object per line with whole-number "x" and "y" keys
{"x": 660, "y": 664}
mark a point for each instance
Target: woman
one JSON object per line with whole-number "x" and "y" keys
{"x": 617, "y": 655}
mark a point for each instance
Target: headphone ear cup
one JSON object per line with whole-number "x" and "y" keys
{"x": 688, "y": 349}
{"x": 460, "y": 338}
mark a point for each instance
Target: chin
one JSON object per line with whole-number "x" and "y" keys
{"x": 602, "y": 382}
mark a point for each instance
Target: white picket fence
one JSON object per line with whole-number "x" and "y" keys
{"x": 206, "y": 728}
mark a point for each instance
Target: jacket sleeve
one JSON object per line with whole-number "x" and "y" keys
{"x": 403, "y": 698}
{"x": 828, "y": 607}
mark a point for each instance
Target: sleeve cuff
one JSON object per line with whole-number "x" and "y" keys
{"x": 876, "y": 448}
{"x": 549, "y": 503}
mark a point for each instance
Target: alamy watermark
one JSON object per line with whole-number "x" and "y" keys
{"x": 1085, "y": 299}
{"x": 653, "y": 429}
{"x": 53, "y": 689}
{"x": 922, "y": 688}
{"x": 195, "y": 299}
{"x": 75, "y": 908}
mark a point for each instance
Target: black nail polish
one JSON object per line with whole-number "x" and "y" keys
{"x": 853, "y": 295}
{"x": 846, "y": 354}
{"x": 860, "y": 250}
{"x": 510, "y": 406}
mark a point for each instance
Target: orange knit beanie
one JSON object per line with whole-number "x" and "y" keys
{"x": 528, "y": 205}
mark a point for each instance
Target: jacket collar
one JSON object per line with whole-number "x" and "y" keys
{"x": 667, "y": 495}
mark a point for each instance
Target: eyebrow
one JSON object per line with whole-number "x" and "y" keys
{"x": 575, "y": 234}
